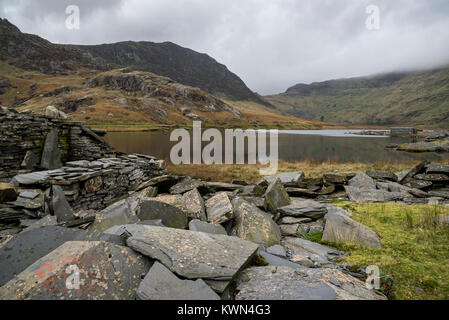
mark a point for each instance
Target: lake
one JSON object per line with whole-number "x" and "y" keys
{"x": 294, "y": 145}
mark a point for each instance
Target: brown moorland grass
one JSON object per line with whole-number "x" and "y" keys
{"x": 250, "y": 173}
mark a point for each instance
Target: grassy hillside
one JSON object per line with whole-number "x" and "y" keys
{"x": 420, "y": 99}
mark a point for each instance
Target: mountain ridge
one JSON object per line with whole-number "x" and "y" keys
{"x": 31, "y": 52}
{"x": 418, "y": 98}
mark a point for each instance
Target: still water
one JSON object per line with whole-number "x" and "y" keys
{"x": 294, "y": 145}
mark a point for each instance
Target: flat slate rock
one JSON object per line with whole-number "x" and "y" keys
{"x": 284, "y": 283}
{"x": 301, "y": 208}
{"x": 28, "y": 246}
{"x": 302, "y": 250}
{"x": 373, "y": 195}
{"x": 34, "y": 178}
{"x": 277, "y": 261}
{"x": 382, "y": 175}
{"x": 190, "y": 254}
{"x": 161, "y": 284}
{"x": 438, "y": 168}
{"x": 109, "y": 272}
{"x": 171, "y": 216}
{"x": 201, "y": 226}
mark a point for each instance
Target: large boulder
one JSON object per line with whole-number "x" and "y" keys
{"x": 190, "y": 254}
{"x": 171, "y": 216}
{"x": 161, "y": 284}
{"x": 276, "y": 196}
{"x": 340, "y": 228}
{"x": 254, "y": 225}
{"x": 8, "y": 193}
{"x": 219, "y": 208}
{"x": 28, "y": 246}
{"x": 51, "y": 154}
{"x": 284, "y": 283}
{"x": 301, "y": 208}
{"x": 362, "y": 181}
{"x": 106, "y": 271}
{"x": 60, "y": 206}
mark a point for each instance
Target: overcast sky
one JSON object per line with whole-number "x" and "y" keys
{"x": 270, "y": 44}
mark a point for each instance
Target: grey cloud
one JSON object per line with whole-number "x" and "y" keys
{"x": 270, "y": 44}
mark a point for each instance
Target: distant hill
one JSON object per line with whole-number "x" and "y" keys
{"x": 414, "y": 98}
{"x": 30, "y": 52}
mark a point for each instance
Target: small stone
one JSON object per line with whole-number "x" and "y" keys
{"x": 201, "y": 226}
{"x": 59, "y": 205}
{"x": 219, "y": 208}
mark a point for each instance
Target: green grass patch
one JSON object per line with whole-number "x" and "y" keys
{"x": 415, "y": 255}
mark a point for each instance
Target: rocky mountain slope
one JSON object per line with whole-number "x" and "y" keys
{"x": 416, "y": 98}
{"x": 183, "y": 65}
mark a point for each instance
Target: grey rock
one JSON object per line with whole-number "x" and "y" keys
{"x": 370, "y": 195}
{"x": 293, "y": 220}
{"x": 28, "y": 246}
{"x": 362, "y": 181}
{"x": 201, "y": 226}
{"x": 277, "y": 250}
{"x": 315, "y": 252}
{"x": 221, "y": 187}
{"x": 304, "y": 208}
{"x": 33, "y": 178}
{"x": 60, "y": 206}
{"x": 110, "y": 272}
{"x": 434, "y": 177}
{"x": 276, "y": 196}
{"x": 254, "y": 225}
{"x": 334, "y": 178}
{"x": 284, "y": 283}
{"x": 286, "y": 177}
{"x": 382, "y": 175}
{"x": 171, "y": 216}
{"x": 161, "y": 284}
{"x": 51, "y": 154}
{"x": 45, "y": 221}
{"x": 342, "y": 229}
{"x": 277, "y": 261}
{"x": 300, "y": 192}
{"x": 115, "y": 215}
{"x": 192, "y": 254}
{"x": 185, "y": 185}
{"x": 193, "y": 204}
{"x": 414, "y": 171}
{"x": 219, "y": 208}
{"x": 437, "y": 168}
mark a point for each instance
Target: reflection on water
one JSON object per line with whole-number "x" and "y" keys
{"x": 315, "y": 145}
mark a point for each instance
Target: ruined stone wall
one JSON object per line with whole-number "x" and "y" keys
{"x": 24, "y": 133}
{"x": 87, "y": 185}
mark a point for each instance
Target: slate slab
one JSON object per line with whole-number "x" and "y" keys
{"x": 161, "y": 284}
{"x": 109, "y": 272}
{"x": 28, "y": 246}
{"x": 192, "y": 254}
